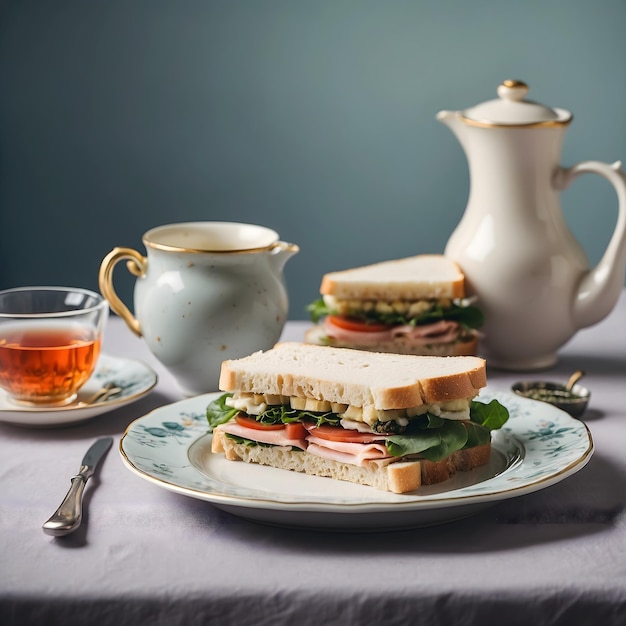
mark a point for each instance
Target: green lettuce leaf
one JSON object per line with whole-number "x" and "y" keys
{"x": 318, "y": 309}
{"x": 433, "y": 444}
{"x": 218, "y": 413}
{"x": 477, "y": 435}
{"x": 492, "y": 415}
{"x": 284, "y": 414}
{"x": 468, "y": 316}
{"x": 453, "y": 438}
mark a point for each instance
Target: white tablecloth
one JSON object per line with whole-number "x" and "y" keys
{"x": 145, "y": 555}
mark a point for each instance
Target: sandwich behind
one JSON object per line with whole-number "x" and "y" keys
{"x": 406, "y": 306}
{"x": 391, "y": 421}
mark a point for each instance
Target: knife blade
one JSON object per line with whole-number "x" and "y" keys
{"x": 67, "y": 518}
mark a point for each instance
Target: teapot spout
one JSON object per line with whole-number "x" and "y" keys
{"x": 453, "y": 122}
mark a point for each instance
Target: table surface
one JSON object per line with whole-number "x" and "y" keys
{"x": 148, "y": 555}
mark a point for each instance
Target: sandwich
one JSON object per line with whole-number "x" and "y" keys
{"x": 414, "y": 305}
{"x": 394, "y": 422}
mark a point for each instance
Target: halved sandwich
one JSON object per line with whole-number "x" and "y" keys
{"x": 414, "y": 305}
{"x": 394, "y": 422}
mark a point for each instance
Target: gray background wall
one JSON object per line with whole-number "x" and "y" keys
{"x": 314, "y": 118}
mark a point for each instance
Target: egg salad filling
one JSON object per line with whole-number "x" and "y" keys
{"x": 350, "y": 416}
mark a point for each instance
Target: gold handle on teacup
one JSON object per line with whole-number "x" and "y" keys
{"x": 136, "y": 265}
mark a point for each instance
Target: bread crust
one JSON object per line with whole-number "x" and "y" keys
{"x": 459, "y": 461}
{"x": 401, "y": 476}
{"x": 356, "y": 377}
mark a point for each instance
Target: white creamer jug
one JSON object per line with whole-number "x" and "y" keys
{"x": 205, "y": 292}
{"x": 531, "y": 276}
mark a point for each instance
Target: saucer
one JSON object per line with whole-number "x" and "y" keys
{"x": 135, "y": 378}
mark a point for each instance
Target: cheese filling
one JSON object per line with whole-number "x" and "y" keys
{"x": 352, "y": 416}
{"x": 409, "y": 308}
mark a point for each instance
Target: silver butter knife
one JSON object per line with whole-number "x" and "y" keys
{"x": 67, "y": 518}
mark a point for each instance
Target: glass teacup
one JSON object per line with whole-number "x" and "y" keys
{"x": 50, "y": 339}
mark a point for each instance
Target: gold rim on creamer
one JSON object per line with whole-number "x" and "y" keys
{"x": 170, "y": 248}
{"x": 153, "y": 239}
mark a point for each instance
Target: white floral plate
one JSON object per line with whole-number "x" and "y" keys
{"x": 539, "y": 446}
{"x": 134, "y": 377}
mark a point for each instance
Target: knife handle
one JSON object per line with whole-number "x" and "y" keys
{"x": 67, "y": 517}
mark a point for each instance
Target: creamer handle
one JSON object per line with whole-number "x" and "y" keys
{"x": 600, "y": 288}
{"x": 136, "y": 265}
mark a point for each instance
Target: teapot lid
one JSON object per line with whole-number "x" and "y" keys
{"x": 512, "y": 109}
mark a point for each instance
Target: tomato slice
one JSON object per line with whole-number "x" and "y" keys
{"x": 295, "y": 431}
{"x": 348, "y": 323}
{"x": 250, "y": 422}
{"x": 335, "y": 433}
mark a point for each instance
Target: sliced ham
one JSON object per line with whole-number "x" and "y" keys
{"x": 346, "y": 452}
{"x": 373, "y": 450}
{"x": 366, "y": 452}
{"x": 273, "y": 437}
{"x": 443, "y": 331}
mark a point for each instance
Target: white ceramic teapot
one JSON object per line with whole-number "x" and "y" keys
{"x": 205, "y": 292}
{"x": 531, "y": 276}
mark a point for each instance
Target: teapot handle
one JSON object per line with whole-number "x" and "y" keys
{"x": 600, "y": 287}
{"x": 136, "y": 265}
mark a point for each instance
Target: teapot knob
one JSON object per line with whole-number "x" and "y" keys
{"x": 514, "y": 90}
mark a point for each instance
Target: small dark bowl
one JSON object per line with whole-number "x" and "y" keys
{"x": 573, "y": 401}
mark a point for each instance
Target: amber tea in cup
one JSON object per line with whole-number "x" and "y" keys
{"x": 50, "y": 339}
